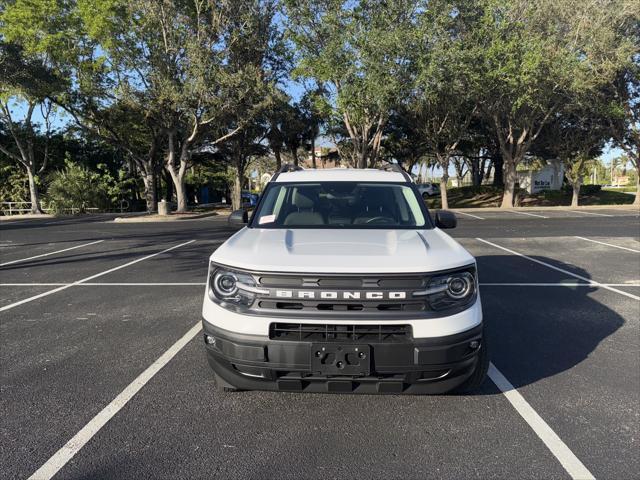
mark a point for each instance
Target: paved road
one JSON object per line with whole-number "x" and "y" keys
{"x": 563, "y": 325}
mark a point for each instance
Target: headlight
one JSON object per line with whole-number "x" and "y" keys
{"x": 451, "y": 290}
{"x": 232, "y": 288}
{"x": 225, "y": 284}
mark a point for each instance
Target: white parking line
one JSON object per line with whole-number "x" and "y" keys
{"x": 80, "y": 439}
{"x": 104, "y": 284}
{"x": 64, "y": 287}
{"x": 591, "y": 213}
{"x": 562, "y": 270}
{"x": 572, "y": 464}
{"x": 608, "y": 244}
{"x": 468, "y": 214}
{"x": 559, "y": 284}
{"x": 530, "y": 214}
{"x": 50, "y": 253}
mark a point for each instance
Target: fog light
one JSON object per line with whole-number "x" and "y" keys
{"x": 474, "y": 344}
{"x": 209, "y": 340}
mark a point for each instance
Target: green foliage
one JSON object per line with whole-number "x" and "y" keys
{"x": 209, "y": 175}
{"x": 76, "y": 187}
{"x": 410, "y": 80}
{"x": 590, "y": 189}
{"x": 14, "y": 186}
{"x": 357, "y": 51}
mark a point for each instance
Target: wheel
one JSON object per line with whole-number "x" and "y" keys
{"x": 223, "y": 386}
{"x": 479, "y": 375}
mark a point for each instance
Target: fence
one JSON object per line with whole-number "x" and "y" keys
{"x": 20, "y": 208}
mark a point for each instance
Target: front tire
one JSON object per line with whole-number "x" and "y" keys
{"x": 479, "y": 375}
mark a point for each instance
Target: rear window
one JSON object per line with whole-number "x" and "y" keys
{"x": 340, "y": 205}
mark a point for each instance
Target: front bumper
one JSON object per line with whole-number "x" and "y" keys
{"x": 415, "y": 366}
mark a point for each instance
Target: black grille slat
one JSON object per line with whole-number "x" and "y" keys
{"x": 331, "y": 333}
{"x": 342, "y": 307}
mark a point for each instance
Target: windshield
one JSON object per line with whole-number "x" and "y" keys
{"x": 340, "y": 205}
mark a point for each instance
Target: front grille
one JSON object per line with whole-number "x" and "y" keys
{"x": 302, "y": 332}
{"x": 355, "y": 306}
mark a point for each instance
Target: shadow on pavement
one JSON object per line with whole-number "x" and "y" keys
{"x": 539, "y": 332}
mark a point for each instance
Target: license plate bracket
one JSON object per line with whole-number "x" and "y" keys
{"x": 341, "y": 359}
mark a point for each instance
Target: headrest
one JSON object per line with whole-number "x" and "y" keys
{"x": 304, "y": 198}
{"x": 377, "y": 199}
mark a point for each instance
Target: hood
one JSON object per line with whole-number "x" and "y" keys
{"x": 341, "y": 251}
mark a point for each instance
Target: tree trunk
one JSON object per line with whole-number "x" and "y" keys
{"x": 178, "y": 173}
{"x": 150, "y": 192}
{"x": 158, "y": 185}
{"x": 637, "y": 165}
{"x": 294, "y": 154}
{"x": 498, "y": 169}
{"x": 236, "y": 191}
{"x": 169, "y": 183}
{"x": 576, "y": 194}
{"x": 487, "y": 174}
{"x": 444, "y": 200}
{"x": 181, "y": 192}
{"x": 276, "y": 153}
{"x": 362, "y": 158}
{"x": 476, "y": 174}
{"x": 177, "y": 177}
{"x": 509, "y": 183}
{"x": 313, "y": 152}
{"x": 33, "y": 192}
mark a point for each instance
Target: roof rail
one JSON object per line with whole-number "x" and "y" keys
{"x": 394, "y": 167}
{"x": 287, "y": 167}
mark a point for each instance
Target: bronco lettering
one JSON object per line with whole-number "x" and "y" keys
{"x": 335, "y": 295}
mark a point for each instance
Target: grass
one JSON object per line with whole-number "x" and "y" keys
{"x": 488, "y": 196}
{"x": 627, "y": 188}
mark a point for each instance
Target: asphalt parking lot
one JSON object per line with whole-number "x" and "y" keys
{"x": 103, "y": 371}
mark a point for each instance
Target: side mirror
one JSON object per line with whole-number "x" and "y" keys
{"x": 239, "y": 217}
{"x": 446, "y": 219}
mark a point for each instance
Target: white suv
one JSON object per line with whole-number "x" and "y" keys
{"x": 427, "y": 190}
{"x": 342, "y": 282}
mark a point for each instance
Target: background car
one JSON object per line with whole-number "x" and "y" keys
{"x": 428, "y": 189}
{"x": 249, "y": 199}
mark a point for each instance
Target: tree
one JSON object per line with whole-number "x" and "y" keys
{"x": 274, "y": 117}
{"x": 204, "y": 64}
{"x": 64, "y": 36}
{"x": 443, "y": 98}
{"x": 27, "y": 83}
{"x": 185, "y": 68}
{"x": 294, "y": 129}
{"x": 535, "y": 57}
{"x": 625, "y": 118}
{"x": 404, "y": 140}
{"x": 357, "y": 53}
{"x": 314, "y": 119}
{"x": 575, "y": 137}
{"x": 238, "y": 152}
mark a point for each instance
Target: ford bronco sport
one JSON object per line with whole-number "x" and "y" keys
{"x": 342, "y": 282}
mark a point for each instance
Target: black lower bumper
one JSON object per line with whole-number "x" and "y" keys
{"x": 415, "y": 366}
